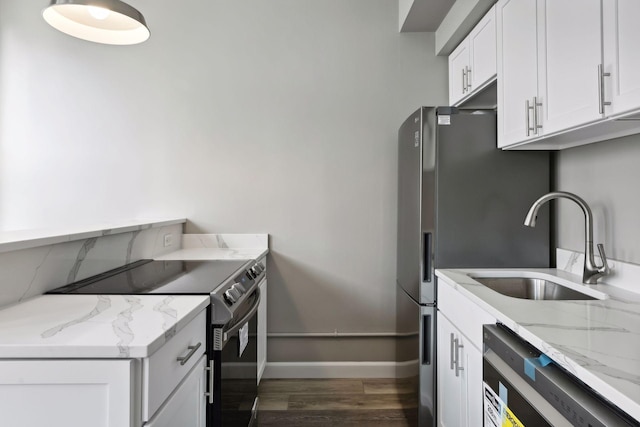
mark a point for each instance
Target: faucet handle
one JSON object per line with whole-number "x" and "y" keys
{"x": 604, "y": 268}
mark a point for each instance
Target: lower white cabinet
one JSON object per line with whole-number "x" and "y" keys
{"x": 68, "y": 393}
{"x": 169, "y": 365}
{"x": 185, "y": 407}
{"x": 459, "y": 358}
{"x": 459, "y": 378}
{"x": 165, "y": 389}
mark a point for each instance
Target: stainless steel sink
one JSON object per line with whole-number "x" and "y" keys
{"x": 531, "y": 288}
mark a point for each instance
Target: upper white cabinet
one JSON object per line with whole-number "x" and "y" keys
{"x": 569, "y": 56}
{"x": 621, "y": 56}
{"x": 548, "y": 62}
{"x": 458, "y": 72}
{"x": 482, "y": 49}
{"x": 517, "y": 69}
{"x": 472, "y": 65}
{"x": 566, "y": 71}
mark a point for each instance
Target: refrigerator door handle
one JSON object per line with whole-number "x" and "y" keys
{"x": 426, "y": 253}
{"x": 426, "y": 339}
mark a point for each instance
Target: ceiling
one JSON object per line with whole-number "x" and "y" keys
{"x": 426, "y": 15}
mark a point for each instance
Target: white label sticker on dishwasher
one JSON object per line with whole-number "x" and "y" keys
{"x": 496, "y": 412}
{"x": 243, "y": 338}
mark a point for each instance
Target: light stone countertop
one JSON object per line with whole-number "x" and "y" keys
{"x": 197, "y": 247}
{"x": 596, "y": 340}
{"x": 24, "y": 239}
{"x": 94, "y": 326}
{"x": 108, "y": 326}
{"x": 198, "y": 254}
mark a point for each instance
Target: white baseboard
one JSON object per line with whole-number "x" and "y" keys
{"x": 341, "y": 369}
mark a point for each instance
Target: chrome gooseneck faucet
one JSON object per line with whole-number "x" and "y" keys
{"x": 591, "y": 272}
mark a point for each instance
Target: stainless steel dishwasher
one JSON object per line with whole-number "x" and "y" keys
{"x": 523, "y": 387}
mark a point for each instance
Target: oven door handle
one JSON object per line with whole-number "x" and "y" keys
{"x": 245, "y": 319}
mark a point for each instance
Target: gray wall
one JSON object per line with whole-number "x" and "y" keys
{"x": 607, "y": 176}
{"x": 251, "y": 116}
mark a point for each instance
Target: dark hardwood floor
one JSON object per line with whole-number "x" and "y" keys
{"x": 338, "y": 403}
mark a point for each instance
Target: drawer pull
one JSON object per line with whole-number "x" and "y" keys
{"x": 601, "y": 75}
{"x": 211, "y": 370}
{"x": 192, "y": 350}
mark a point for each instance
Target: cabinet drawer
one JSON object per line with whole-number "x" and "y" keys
{"x": 186, "y": 406}
{"x": 162, "y": 372}
{"x": 464, "y": 314}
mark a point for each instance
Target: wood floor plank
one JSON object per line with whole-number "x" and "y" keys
{"x": 312, "y": 386}
{"x": 353, "y": 418}
{"x": 389, "y": 385}
{"x": 274, "y": 402}
{"x": 356, "y": 401}
{"x": 374, "y": 402}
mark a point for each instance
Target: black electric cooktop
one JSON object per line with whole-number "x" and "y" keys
{"x": 158, "y": 277}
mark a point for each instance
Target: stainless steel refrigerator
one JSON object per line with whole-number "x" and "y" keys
{"x": 461, "y": 204}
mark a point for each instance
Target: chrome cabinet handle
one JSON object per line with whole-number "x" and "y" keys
{"x": 209, "y": 392}
{"x": 527, "y": 108}
{"x": 458, "y": 367}
{"x": 536, "y": 126}
{"x": 601, "y": 76}
{"x": 193, "y": 349}
{"x": 464, "y": 77}
{"x": 468, "y": 78}
{"x": 452, "y": 350}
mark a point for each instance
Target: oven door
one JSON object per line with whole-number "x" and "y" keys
{"x": 236, "y": 368}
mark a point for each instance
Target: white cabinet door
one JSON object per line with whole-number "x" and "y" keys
{"x": 473, "y": 387}
{"x": 458, "y": 76}
{"x": 482, "y": 49}
{"x": 459, "y": 378}
{"x": 262, "y": 329}
{"x": 472, "y": 65}
{"x": 68, "y": 393}
{"x": 569, "y": 53}
{"x": 450, "y": 391}
{"x": 186, "y": 407}
{"x": 517, "y": 69}
{"x": 621, "y": 55}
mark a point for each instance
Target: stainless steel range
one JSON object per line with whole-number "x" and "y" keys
{"x": 231, "y": 338}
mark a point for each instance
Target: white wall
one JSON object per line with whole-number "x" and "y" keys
{"x": 606, "y": 175}
{"x": 249, "y": 116}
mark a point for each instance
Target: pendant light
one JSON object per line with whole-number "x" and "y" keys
{"x": 100, "y": 21}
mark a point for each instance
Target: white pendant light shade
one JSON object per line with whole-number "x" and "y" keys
{"x": 100, "y": 21}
